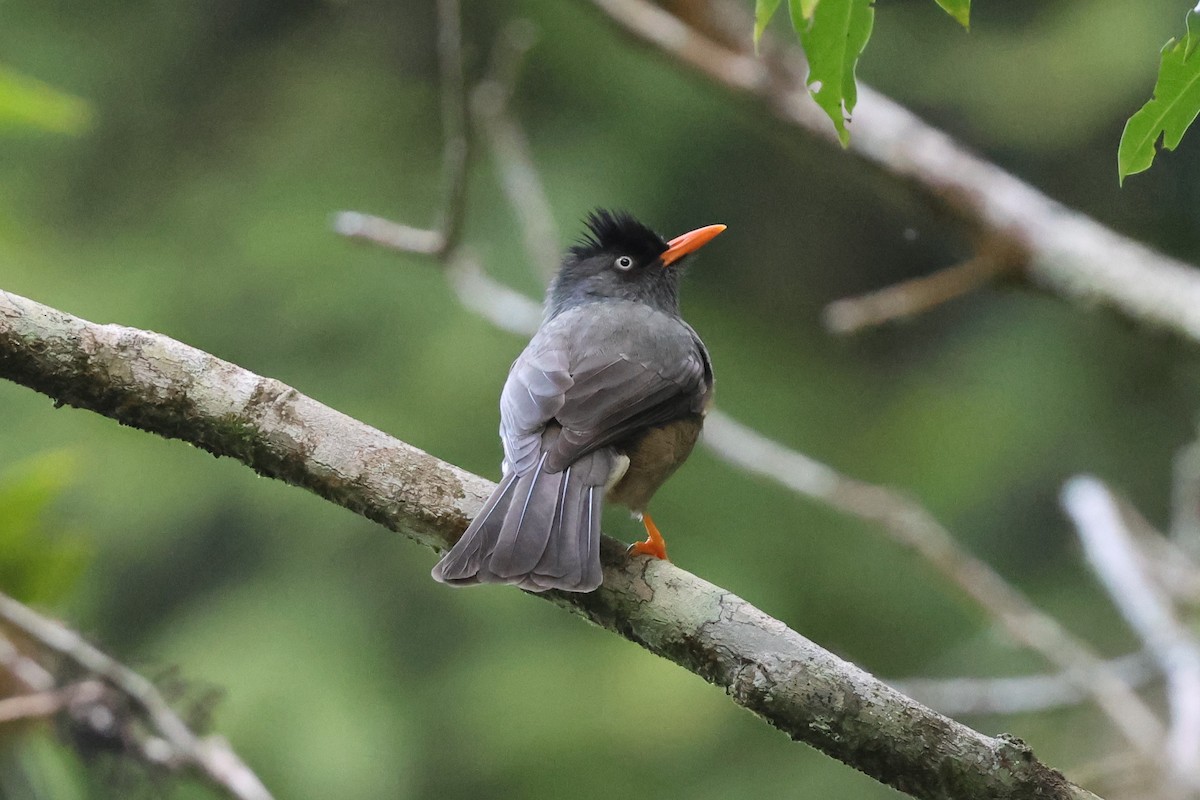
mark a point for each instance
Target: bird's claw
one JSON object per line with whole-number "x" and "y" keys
{"x": 647, "y": 548}
{"x": 654, "y": 545}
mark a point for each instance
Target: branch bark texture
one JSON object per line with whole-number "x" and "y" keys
{"x": 157, "y": 384}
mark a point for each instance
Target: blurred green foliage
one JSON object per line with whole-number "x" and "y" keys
{"x": 39, "y": 561}
{"x": 197, "y": 204}
{"x": 28, "y": 103}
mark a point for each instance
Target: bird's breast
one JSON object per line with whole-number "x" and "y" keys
{"x": 653, "y": 455}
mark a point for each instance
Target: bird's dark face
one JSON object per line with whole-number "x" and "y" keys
{"x": 619, "y": 258}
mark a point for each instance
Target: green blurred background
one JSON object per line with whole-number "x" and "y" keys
{"x": 190, "y": 192}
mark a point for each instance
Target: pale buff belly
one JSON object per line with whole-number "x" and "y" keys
{"x": 653, "y": 457}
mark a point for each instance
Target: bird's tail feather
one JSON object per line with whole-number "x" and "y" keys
{"x": 461, "y": 564}
{"x": 540, "y": 531}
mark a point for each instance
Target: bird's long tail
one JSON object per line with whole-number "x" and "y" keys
{"x": 539, "y": 530}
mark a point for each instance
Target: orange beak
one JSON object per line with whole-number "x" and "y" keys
{"x": 689, "y": 242}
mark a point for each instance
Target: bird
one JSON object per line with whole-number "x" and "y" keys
{"x": 605, "y": 402}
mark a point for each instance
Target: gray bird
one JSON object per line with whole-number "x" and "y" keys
{"x": 606, "y": 401}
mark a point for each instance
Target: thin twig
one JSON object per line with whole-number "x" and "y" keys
{"x": 41, "y": 705}
{"x": 1110, "y": 550}
{"x": 1020, "y": 694}
{"x": 498, "y": 303}
{"x": 385, "y": 233}
{"x": 510, "y": 147}
{"x": 1170, "y": 566}
{"x": 456, "y": 156}
{"x": 211, "y": 756}
{"x": 909, "y": 298}
{"x": 29, "y": 672}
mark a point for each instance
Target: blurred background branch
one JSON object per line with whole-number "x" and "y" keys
{"x": 1019, "y": 695}
{"x": 104, "y": 708}
{"x": 1115, "y": 559}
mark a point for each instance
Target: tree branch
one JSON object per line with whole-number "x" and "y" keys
{"x": 911, "y": 297}
{"x": 154, "y": 383}
{"x": 1021, "y": 694}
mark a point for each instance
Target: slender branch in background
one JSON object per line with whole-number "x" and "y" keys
{"x": 211, "y": 757}
{"x": 499, "y": 304}
{"x": 1021, "y": 694}
{"x": 1170, "y": 567}
{"x": 1113, "y": 556}
{"x": 384, "y": 232}
{"x": 510, "y": 148}
{"x": 909, "y": 298}
{"x": 456, "y": 155}
{"x": 29, "y": 672}
{"x": 1059, "y": 249}
{"x": 42, "y": 705}
{"x": 149, "y": 381}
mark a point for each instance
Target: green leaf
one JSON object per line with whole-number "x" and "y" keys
{"x": 959, "y": 9}
{"x": 833, "y": 40}
{"x": 802, "y": 12}
{"x": 26, "y": 102}
{"x": 763, "y": 11}
{"x": 1170, "y": 112}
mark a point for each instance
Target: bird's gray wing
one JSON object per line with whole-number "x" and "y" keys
{"x": 533, "y": 394}
{"x": 600, "y": 379}
{"x": 613, "y": 396}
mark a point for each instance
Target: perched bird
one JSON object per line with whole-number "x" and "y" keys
{"x": 605, "y": 402}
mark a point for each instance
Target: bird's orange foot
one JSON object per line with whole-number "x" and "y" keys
{"x": 654, "y": 545}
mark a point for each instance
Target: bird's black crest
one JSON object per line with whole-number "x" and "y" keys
{"x": 617, "y": 231}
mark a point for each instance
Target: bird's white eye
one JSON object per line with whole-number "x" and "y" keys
{"x": 624, "y": 262}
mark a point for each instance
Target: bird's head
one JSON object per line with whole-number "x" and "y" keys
{"x": 620, "y": 258}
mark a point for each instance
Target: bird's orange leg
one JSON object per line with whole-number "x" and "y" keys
{"x": 654, "y": 545}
